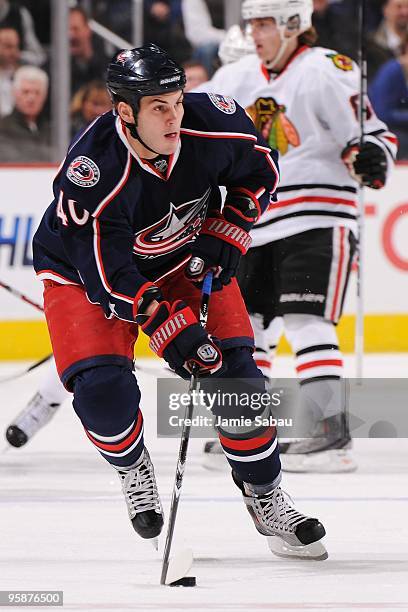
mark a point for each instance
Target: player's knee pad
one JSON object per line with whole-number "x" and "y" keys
{"x": 106, "y": 399}
{"x": 304, "y": 330}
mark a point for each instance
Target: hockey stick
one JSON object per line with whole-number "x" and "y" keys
{"x": 176, "y": 568}
{"x": 359, "y": 329}
{"x": 21, "y": 296}
{"x": 37, "y": 306}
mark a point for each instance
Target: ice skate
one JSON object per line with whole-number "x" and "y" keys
{"x": 142, "y": 497}
{"x": 289, "y": 533}
{"x": 35, "y": 415}
{"x": 327, "y": 451}
{"x": 213, "y": 456}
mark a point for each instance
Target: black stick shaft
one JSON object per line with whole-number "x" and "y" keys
{"x": 185, "y": 437}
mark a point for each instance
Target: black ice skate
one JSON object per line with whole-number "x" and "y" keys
{"x": 35, "y": 415}
{"x": 142, "y": 498}
{"x": 289, "y": 533}
{"x": 327, "y": 450}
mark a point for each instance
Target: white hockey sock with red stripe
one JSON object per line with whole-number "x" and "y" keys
{"x": 266, "y": 341}
{"x": 318, "y": 360}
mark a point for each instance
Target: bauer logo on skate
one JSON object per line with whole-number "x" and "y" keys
{"x": 83, "y": 172}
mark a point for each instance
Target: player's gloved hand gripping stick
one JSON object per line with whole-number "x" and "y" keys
{"x": 223, "y": 239}
{"x": 175, "y": 569}
{"x": 176, "y": 335}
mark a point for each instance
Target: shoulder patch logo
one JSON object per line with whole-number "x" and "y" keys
{"x": 342, "y": 62}
{"x": 83, "y": 172}
{"x": 223, "y": 103}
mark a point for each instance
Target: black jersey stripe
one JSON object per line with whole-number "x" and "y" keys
{"x": 317, "y": 186}
{"x": 317, "y": 347}
{"x": 306, "y": 213}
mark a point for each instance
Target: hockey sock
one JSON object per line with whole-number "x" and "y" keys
{"x": 266, "y": 341}
{"x": 319, "y": 365}
{"x": 251, "y": 448}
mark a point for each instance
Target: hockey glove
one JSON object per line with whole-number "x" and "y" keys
{"x": 222, "y": 240}
{"x": 367, "y": 164}
{"x": 176, "y": 335}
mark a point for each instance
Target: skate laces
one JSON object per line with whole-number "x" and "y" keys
{"x": 278, "y": 511}
{"x": 140, "y": 488}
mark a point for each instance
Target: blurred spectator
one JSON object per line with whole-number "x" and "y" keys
{"x": 19, "y": 18}
{"x": 25, "y": 133}
{"x": 350, "y": 9}
{"x": 9, "y": 62}
{"x": 162, "y": 26}
{"x": 389, "y": 97}
{"x": 204, "y": 27}
{"x": 335, "y": 30}
{"x": 196, "y": 73}
{"x": 89, "y": 102}
{"x": 394, "y": 26}
{"x": 385, "y": 43}
{"x": 88, "y": 58}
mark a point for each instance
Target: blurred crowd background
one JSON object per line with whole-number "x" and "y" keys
{"x": 191, "y": 31}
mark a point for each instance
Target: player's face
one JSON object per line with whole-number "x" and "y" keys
{"x": 266, "y": 37}
{"x": 159, "y": 121}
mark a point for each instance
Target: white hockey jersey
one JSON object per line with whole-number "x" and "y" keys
{"x": 309, "y": 112}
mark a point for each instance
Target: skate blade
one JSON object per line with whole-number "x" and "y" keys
{"x": 326, "y": 462}
{"x": 215, "y": 462}
{"x": 312, "y": 552}
{"x": 179, "y": 565}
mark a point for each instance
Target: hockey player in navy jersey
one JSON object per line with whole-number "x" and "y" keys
{"x": 136, "y": 206}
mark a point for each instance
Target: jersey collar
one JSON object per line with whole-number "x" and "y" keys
{"x": 292, "y": 58}
{"x": 145, "y": 165}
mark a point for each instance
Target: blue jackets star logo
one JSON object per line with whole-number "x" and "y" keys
{"x": 179, "y": 226}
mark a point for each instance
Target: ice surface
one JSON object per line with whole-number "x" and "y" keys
{"x": 64, "y": 525}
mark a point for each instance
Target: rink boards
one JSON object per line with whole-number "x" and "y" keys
{"x": 26, "y": 191}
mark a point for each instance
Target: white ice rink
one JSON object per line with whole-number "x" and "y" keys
{"x": 64, "y": 526}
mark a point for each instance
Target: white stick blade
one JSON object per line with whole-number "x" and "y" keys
{"x": 179, "y": 565}
{"x": 313, "y": 552}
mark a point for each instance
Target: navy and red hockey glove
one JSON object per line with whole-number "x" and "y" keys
{"x": 367, "y": 164}
{"x": 223, "y": 239}
{"x": 176, "y": 335}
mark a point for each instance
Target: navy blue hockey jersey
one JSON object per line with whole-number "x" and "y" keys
{"x": 116, "y": 222}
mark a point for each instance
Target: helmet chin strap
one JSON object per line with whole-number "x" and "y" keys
{"x": 135, "y": 134}
{"x": 270, "y": 65}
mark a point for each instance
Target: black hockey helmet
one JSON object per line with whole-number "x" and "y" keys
{"x": 144, "y": 71}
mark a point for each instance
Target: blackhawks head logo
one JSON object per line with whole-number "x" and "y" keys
{"x": 270, "y": 120}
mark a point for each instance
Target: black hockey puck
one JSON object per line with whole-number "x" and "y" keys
{"x": 187, "y": 581}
